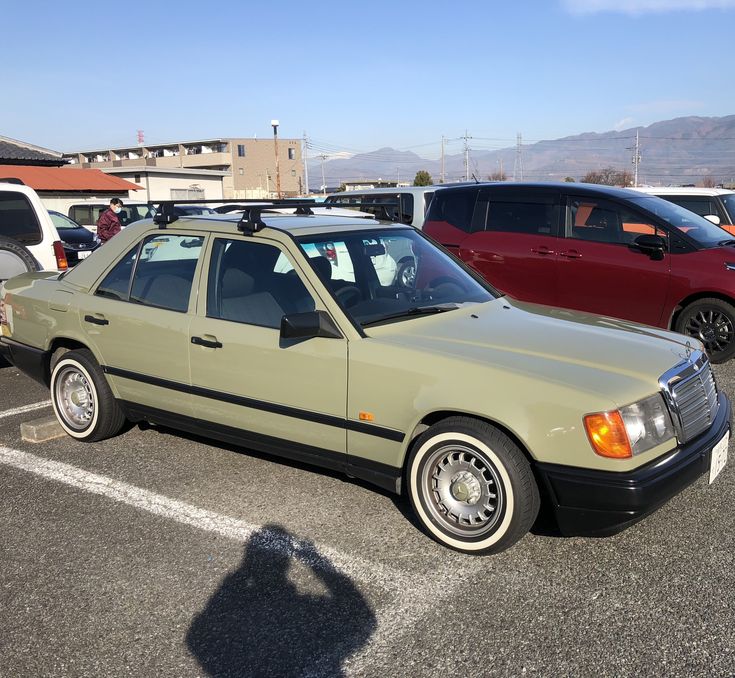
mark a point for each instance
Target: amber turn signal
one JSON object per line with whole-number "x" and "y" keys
{"x": 607, "y": 434}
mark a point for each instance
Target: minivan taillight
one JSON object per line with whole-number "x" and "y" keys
{"x": 61, "y": 263}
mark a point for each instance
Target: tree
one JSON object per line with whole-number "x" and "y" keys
{"x": 498, "y": 176}
{"x": 708, "y": 181}
{"x": 569, "y": 180}
{"x": 609, "y": 177}
{"x": 342, "y": 188}
{"x": 423, "y": 178}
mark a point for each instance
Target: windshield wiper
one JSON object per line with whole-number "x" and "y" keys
{"x": 413, "y": 311}
{"x": 729, "y": 241}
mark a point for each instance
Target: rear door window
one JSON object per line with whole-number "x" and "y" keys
{"x": 162, "y": 270}
{"x": 528, "y": 213}
{"x": 18, "y": 219}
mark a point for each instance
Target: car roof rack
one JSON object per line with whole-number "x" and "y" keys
{"x": 251, "y": 220}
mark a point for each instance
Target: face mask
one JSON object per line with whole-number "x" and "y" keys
{"x": 117, "y": 210}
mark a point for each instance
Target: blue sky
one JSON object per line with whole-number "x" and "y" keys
{"x": 359, "y": 76}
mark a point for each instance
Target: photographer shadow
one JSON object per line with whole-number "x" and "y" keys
{"x": 260, "y": 623}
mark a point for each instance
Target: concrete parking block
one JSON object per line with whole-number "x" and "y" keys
{"x": 40, "y": 430}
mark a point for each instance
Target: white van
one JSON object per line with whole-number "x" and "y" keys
{"x": 407, "y": 205}
{"x": 28, "y": 238}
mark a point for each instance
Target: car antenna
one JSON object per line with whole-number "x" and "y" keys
{"x": 477, "y": 181}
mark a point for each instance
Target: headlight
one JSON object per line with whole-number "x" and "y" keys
{"x": 631, "y": 430}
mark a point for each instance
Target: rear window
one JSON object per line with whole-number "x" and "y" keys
{"x": 18, "y": 219}
{"x": 454, "y": 208}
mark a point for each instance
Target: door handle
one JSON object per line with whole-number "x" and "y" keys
{"x": 571, "y": 254}
{"x": 96, "y": 320}
{"x": 208, "y": 343}
{"x": 542, "y": 250}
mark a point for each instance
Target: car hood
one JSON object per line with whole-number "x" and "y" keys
{"x": 615, "y": 358}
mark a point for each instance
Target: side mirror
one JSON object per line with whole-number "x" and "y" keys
{"x": 713, "y": 218}
{"x": 652, "y": 245}
{"x": 309, "y": 325}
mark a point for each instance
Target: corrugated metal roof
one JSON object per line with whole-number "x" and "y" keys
{"x": 66, "y": 179}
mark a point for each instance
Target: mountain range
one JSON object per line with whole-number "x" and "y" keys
{"x": 678, "y": 151}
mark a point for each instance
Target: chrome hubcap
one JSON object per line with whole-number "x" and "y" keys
{"x": 74, "y": 398}
{"x": 463, "y": 490}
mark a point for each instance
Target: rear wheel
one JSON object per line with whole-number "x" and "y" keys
{"x": 81, "y": 397}
{"x": 15, "y": 259}
{"x": 712, "y": 321}
{"x": 471, "y": 487}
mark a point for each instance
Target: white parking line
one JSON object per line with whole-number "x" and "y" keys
{"x": 25, "y": 408}
{"x": 413, "y": 596}
{"x": 202, "y": 519}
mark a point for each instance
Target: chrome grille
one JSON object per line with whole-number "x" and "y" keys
{"x": 692, "y": 396}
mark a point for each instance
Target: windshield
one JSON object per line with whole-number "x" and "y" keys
{"x": 390, "y": 275}
{"x": 699, "y": 229}
{"x": 729, "y": 200}
{"x": 63, "y": 223}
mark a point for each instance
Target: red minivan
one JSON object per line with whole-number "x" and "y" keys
{"x": 604, "y": 250}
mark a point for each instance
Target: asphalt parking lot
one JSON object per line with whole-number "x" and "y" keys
{"x": 160, "y": 554}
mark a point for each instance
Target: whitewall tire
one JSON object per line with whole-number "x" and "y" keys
{"x": 471, "y": 487}
{"x": 81, "y": 397}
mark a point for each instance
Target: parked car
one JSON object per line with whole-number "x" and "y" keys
{"x": 79, "y": 242}
{"x": 715, "y": 204}
{"x": 407, "y": 204}
{"x": 88, "y": 213}
{"x": 472, "y": 404}
{"x": 598, "y": 249}
{"x": 28, "y": 237}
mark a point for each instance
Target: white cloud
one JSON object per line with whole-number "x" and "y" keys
{"x": 622, "y": 124}
{"x": 637, "y": 7}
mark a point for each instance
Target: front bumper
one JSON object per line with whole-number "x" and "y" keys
{"x": 600, "y": 503}
{"x": 33, "y": 361}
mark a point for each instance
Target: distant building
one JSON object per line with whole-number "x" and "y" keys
{"x": 59, "y": 187}
{"x": 249, "y": 165}
{"x": 159, "y": 183}
{"x": 14, "y": 152}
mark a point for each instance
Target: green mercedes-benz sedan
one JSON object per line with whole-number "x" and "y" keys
{"x": 361, "y": 346}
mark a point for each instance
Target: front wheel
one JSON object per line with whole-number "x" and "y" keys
{"x": 81, "y": 397}
{"x": 712, "y": 321}
{"x": 471, "y": 487}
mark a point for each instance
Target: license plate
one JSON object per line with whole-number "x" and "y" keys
{"x": 719, "y": 457}
{"x": 83, "y": 255}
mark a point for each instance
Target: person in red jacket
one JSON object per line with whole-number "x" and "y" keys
{"x": 108, "y": 224}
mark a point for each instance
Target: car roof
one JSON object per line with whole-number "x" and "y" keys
{"x": 565, "y": 186}
{"x": 380, "y": 191}
{"x": 682, "y": 190}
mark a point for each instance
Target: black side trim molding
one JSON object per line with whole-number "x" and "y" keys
{"x": 305, "y": 415}
{"x": 382, "y": 475}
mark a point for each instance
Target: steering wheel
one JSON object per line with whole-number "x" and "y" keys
{"x": 348, "y": 295}
{"x": 445, "y": 286}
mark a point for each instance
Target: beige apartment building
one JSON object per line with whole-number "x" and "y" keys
{"x": 249, "y": 164}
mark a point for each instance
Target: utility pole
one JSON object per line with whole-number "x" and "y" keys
{"x": 441, "y": 179}
{"x": 518, "y": 164}
{"x": 274, "y": 124}
{"x": 398, "y": 174}
{"x": 501, "y": 177}
{"x": 466, "y": 156}
{"x": 306, "y": 163}
{"x": 323, "y": 156}
{"x": 636, "y": 159}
